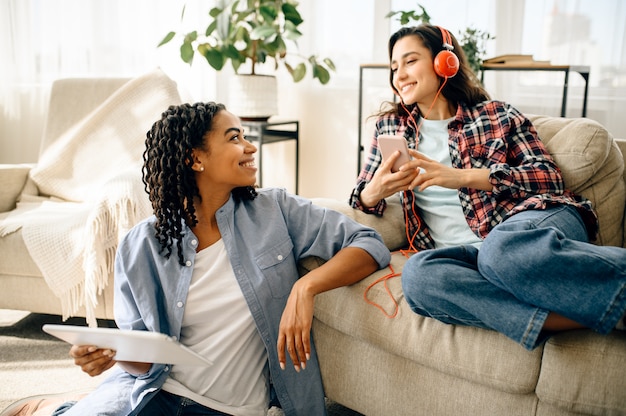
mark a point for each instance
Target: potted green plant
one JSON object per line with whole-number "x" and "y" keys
{"x": 251, "y": 34}
{"x": 472, "y": 40}
{"x": 473, "y": 43}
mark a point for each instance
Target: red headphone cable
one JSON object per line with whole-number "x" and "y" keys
{"x": 411, "y": 249}
{"x": 406, "y": 253}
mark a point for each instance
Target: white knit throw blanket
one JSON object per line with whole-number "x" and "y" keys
{"x": 92, "y": 177}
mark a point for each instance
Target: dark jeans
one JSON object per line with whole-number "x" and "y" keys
{"x": 162, "y": 404}
{"x": 168, "y": 404}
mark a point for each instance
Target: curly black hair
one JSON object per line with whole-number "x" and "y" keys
{"x": 167, "y": 175}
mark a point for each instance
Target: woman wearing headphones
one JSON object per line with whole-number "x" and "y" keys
{"x": 502, "y": 244}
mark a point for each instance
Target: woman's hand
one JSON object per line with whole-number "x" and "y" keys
{"x": 95, "y": 361}
{"x": 385, "y": 183}
{"x": 432, "y": 173}
{"x": 294, "y": 333}
{"x": 92, "y": 360}
{"x": 346, "y": 267}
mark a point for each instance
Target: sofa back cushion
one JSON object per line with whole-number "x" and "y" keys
{"x": 390, "y": 226}
{"x": 71, "y": 99}
{"x": 592, "y": 166}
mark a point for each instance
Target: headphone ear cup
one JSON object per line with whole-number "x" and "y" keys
{"x": 446, "y": 64}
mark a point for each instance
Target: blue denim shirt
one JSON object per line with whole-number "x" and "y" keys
{"x": 265, "y": 238}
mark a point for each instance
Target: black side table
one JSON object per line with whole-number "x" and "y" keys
{"x": 266, "y": 132}
{"x": 566, "y": 69}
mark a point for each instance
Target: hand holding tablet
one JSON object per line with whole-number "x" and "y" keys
{"x": 139, "y": 346}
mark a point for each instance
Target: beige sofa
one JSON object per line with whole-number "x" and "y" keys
{"x": 411, "y": 365}
{"x": 101, "y": 121}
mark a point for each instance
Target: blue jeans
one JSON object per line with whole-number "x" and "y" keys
{"x": 534, "y": 263}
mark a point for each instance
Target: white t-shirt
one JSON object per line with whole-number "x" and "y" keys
{"x": 440, "y": 207}
{"x": 217, "y": 323}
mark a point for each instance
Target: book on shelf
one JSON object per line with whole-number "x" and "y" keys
{"x": 514, "y": 60}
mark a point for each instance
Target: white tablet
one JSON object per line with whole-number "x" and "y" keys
{"x": 140, "y": 346}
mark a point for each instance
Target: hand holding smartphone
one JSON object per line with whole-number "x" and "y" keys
{"x": 388, "y": 144}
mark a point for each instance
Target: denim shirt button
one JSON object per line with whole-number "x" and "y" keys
{"x": 194, "y": 242}
{"x": 179, "y": 304}
{"x": 188, "y": 263}
{"x": 280, "y": 257}
{"x": 166, "y": 368}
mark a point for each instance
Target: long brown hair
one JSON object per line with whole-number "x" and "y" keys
{"x": 463, "y": 87}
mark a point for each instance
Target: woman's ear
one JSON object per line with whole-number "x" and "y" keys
{"x": 196, "y": 162}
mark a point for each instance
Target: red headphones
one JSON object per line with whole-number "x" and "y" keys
{"x": 446, "y": 62}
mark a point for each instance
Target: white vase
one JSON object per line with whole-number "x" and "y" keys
{"x": 253, "y": 97}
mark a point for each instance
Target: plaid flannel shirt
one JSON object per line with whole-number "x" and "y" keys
{"x": 491, "y": 135}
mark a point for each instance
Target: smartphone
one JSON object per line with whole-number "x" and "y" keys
{"x": 388, "y": 144}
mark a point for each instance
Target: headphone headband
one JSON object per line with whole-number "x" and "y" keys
{"x": 446, "y": 38}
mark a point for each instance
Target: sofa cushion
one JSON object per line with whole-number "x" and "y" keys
{"x": 12, "y": 180}
{"x": 576, "y": 363}
{"x": 484, "y": 357}
{"x": 14, "y": 257}
{"x": 621, "y": 144}
{"x": 390, "y": 226}
{"x": 592, "y": 166}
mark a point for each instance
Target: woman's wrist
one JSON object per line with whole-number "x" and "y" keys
{"x": 367, "y": 200}
{"x": 478, "y": 179}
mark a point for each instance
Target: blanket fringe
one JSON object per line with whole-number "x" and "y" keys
{"x": 103, "y": 234}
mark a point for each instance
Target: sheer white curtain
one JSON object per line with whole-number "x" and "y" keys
{"x": 42, "y": 40}
{"x": 564, "y": 32}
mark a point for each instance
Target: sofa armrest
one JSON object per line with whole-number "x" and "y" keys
{"x": 13, "y": 177}
{"x": 390, "y": 226}
{"x": 621, "y": 143}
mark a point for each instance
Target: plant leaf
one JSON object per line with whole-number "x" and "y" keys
{"x": 330, "y": 64}
{"x": 291, "y": 14}
{"x": 186, "y": 52}
{"x": 167, "y": 38}
{"x": 229, "y": 51}
{"x": 191, "y": 37}
{"x": 276, "y": 47}
{"x": 291, "y": 31}
{"x": 210, "y": 28}
{"x": 215, "y": 11}
{"x": 214, "y": 57}
{"x": 268, "y": 12}
{"x": 321, "y": 73}
{"x": 262, "y": 32}
{"x": 298, "y": 72}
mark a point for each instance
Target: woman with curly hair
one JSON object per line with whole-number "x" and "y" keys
{"x": 216, "y": 268}
{"x": 501, "y": 243}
